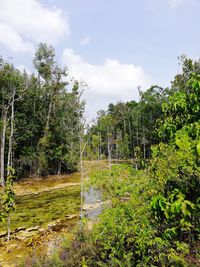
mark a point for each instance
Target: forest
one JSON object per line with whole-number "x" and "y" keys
{"x": 40, "y": 117}
{"x": 151, "y": 184}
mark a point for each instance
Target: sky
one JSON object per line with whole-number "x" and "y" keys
{"x": 114, "y": 46}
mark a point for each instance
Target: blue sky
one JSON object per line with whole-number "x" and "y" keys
{"x": 113, "y": 45}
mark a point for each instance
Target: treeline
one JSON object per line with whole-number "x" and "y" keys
{"x": 128, "y": 130}
{"x": 40, "y": 117}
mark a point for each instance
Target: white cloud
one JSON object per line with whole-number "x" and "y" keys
{"x": 13, "y": 40}
{"x": 177, "y": 3}
{"x": 85, "y": 40}
{"x": 108, "y": 82}
{"x": 28, "y": 22}
{"x": 22, "y": 68}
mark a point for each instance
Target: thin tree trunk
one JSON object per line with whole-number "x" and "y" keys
{"x": 109, "y": 150}
{"x": 48, "y": 117}
{"x": 82, "y": 149}
{"x": 59, "y": 167}
{"x": 136, "y": 165}
{"x": 131, "y": 139}
{"x": 117, "y": 147}
{"x": 3, "y": 139}
{"x": 48, "y": 83}
{"x": 137, "y": 136}
{"x": 144, "y": 144}
{"x": 124, "y": 121}
{"x": 10, "y": 147}
{"x": 82, "y": 176}
{"x": 136, "y": 162}
{"x": 9, "y": 162}
{"x": 100, "y": 146}
{"x": 98, "y": 154}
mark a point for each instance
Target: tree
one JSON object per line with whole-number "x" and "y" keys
{"x": 11, "y": 84}
{"x": 39, "y": 118}
{"x": 175, "y": 166}
{"x": 57, "y": 145}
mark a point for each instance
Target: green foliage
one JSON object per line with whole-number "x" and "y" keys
{"x": 175, "y": 173}
{"x": 198, "y": 148}
{"x": 126, "y": 126}
{"x": 8, "y": 202}
{"x": 154, "y": 222}
{"x": 174, "y": 209}
{"x": 47, "y": 116}
{"x": 126, "y": 234}
{"x": 175, "y": 166}
{"x": 150, "y": 217}
{"x": 44, "y": 60}
{"x": 182, "y": 109}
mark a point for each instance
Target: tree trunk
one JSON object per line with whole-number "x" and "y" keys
{"x": 137, "y": 136}
{"x": 100, "y": 146}
{"x": 59, "y": 167}
{"x": 144, "y": 144}
{"x": 131, "y": 139}
{"x": 9, "y": 162}
{"x": 144, "y": 151}
{"x": 82, "y": 149}
{"x": 109, "y": 150}
{"x": 124, "y": 122}
{"x": 48, "y": 117}
{"x": 82, "y": 176}
{"x": 3, "y": 140}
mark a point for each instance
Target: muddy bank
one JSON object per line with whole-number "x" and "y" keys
{"x": 35, "y": 242}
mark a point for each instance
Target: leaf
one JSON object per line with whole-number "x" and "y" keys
{"x": 198, "y": 148}
{"x": 162, "y": 203}
{"x": 184, "y": 209}
{"x": 154, "y": 202}
{"x": 182, "y": 140}
{"x": 158, "y": 202}
{"x": 189, "y": 203}
{"x": 176, "y": 206}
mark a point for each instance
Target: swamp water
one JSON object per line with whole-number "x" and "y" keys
{"x": 47, "y": 209}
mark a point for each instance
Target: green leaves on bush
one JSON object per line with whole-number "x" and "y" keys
{"x": 173, "y": 207}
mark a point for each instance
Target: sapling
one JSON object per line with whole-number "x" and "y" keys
{"x": 8, "y": 200}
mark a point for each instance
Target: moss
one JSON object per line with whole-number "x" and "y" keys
{"x": 40, "y": 209}
{"x": 40, "y": 202}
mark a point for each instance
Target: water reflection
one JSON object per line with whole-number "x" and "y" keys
{"x": 92, "y": 203}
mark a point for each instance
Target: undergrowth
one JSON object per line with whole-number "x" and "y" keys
{"x": 137, "y": 228}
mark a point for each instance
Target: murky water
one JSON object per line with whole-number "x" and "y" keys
{"x": 45, "y": 208}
